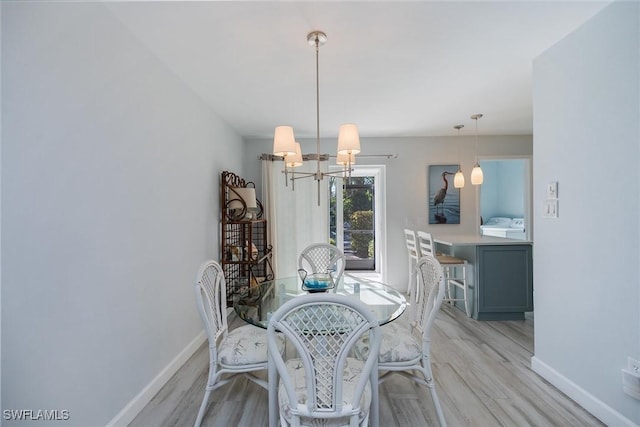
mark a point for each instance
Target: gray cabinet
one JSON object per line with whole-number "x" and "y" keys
{"x": 502, "y": 274}
{"x": 504, "y": 284}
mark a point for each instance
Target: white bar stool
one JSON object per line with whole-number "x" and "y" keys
{"x": 414, "y": 255}
{"x": 455, "y": 271}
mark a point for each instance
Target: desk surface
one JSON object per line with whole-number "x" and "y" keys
{"x": 261, "y": 301}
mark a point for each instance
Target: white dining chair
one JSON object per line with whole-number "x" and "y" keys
{"x": 405, "y": 350}
{"x": 240, "y": 351}
{"x": 323, "y": 258}
{"x": 323, "y": 385}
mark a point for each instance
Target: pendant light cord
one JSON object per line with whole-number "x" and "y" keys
{"x": 477, "y": 140}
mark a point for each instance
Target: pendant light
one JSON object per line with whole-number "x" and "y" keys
{"x": 458, "y": 179}
{"x": 476, "y": 172}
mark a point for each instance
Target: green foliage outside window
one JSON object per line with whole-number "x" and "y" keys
{"x": 362, "y": 243}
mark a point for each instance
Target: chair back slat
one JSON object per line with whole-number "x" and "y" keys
{"x": 425, "y": 243}
{"x": 412, "y": 244}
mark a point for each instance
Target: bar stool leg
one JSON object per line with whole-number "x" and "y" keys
{"x": 467, "y": 306}
{"x": 447, "y": 289}
{"x": 454, "y": 281}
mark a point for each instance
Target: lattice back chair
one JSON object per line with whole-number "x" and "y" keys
{"x": 455, "y": 272}
{"x": 323, "y": 258}
{"x": 406, "y": 350}
{"x": 323, "y": 385}
{"x": 240, "y": 351}
{"x": 413, "y": 253}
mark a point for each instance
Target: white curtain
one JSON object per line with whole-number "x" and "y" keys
{"x": 294, "y": 217}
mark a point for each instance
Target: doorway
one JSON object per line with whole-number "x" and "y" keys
{"x": 356, "y": 218}
{"x": 505, "y": 197}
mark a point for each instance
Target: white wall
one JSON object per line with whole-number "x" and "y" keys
{"x": 586, "y": 270}
{"x": 407, "y": 187}
{"x": 110, "y": 174}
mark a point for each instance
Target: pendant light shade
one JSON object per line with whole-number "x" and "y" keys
{"x": 476, "y": 173}
{"x": 348, "y": 139}
{"x": 284, "y": 143}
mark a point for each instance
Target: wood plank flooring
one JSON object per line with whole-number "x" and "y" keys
{"x": 482, "y": 371}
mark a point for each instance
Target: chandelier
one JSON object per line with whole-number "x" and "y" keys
{"x": 285, "y": 145}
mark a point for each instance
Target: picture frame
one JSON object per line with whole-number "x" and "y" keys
{"x": 443, "y": 198}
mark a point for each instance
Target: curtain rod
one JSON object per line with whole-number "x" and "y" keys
{"x": 324, "y": 157}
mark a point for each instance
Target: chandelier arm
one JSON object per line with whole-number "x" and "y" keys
{"x": 300, "y": 175}
{"x": 341, "y": 173}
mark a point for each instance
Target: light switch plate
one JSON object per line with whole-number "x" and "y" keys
{"x": 552, "y": 190}
{"x": 631, "y": 383}
{"x": 550, "y": 208}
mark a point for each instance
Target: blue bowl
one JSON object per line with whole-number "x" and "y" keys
{"x": 317, "y": 284}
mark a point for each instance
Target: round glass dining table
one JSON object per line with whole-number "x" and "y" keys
{"x": 257, "y": 304}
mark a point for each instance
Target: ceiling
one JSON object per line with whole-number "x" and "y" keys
{"x": 394, "y": 68}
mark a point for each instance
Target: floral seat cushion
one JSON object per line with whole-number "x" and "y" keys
{"x": 398, "y": 345}
{"x": 352, "y": 372}
{"x": 245, "y": 345}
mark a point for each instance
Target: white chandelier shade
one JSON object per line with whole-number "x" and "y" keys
{"x": 345, "y": 159}
{"x": 348, "y": 139}
{"x": 295, "y": 160}
{"x": 284, "y": 143}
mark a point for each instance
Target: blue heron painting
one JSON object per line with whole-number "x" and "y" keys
{"x": 444, "y": 199}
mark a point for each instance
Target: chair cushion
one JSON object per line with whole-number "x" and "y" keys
{"x": 352, "y": 372}
{"x": 398, "y": 345}
{"x": 245, "y": 345}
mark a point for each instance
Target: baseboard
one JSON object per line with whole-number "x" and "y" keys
{"x": 595, "y": 406}
{"x": 133, "y": 408}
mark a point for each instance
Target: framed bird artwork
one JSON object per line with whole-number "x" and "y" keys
{"x": 443, "y": 198}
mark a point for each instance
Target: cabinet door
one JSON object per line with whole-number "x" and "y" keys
{"x": 505, "y": 279}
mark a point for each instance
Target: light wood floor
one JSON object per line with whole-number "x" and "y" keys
{"x": 482, "y": 371}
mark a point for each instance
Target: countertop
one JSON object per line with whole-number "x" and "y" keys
{"x": 475, "y": 240}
